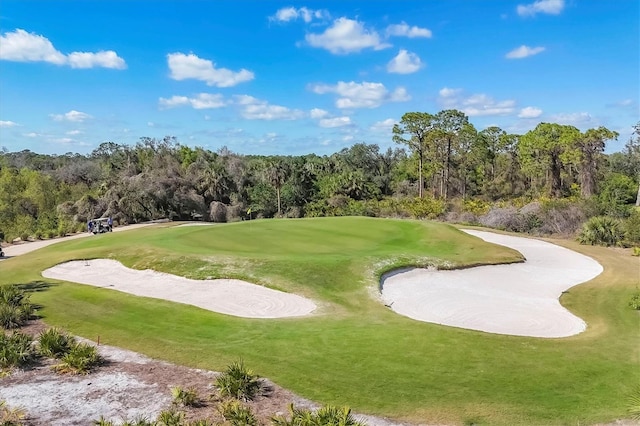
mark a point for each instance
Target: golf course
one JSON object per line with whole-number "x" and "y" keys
{"x": 351, "y": 349}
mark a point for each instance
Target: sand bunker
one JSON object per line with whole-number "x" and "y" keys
{"x": 226, "y": 296}
{"x": 518, "y": 299}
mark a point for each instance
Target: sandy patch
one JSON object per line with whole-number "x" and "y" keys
{"x": 226, "y": 296}
{"x": 519, "y": 299}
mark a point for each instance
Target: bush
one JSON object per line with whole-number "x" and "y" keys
{"x": 15, "y": 350}
{"x": 79, "y": 360}
{"x": 170, "y": 418}
{"x": 54, "y": 343}
{"x": 327, "y": 415}
{"x": 237, "y": 414}
{"x": 217, "y": 212}
{"x": 11, "y": 416}
{"x": 632, "y": 228}
{"x": 15, "y": 307}
{"x": 184, "y": 397}
{"x": 238, "y": 382}
{"x": 634, "y": 404}
{"x": 601, "y": 230}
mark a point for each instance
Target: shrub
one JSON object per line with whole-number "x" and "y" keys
{"x": 184, "y": 397}
{"x": 601, "y": 230}
{"x": 327, "y": 415}
{"x": 217, "y": 211}
{"x": 632, "y": 228}
{"x": 10, "y": 317}
{"x": 79, "y": 360}
{"x": 55, "y": 343}
{"x": 11, "y": 416}
{"x": 238, "y": 382}
{"x": 15, "y": 307}
{"x": 15, "y": 350}
{"x": 170, "y": 418}
{"x": 636, "y": 251}
{"x": 12, "y": 295}
{"x": 237, "y": 414}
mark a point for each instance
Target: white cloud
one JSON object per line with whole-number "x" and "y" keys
{"x": 551, "y": 7}
{"x": 346, "y": 36}
{"x": 530, "y": 112}
{"x": 21, "y": 46}
{"x": 361, "y": 95}
{"x": 72, "y": 116}
{"x": 104, "y": 59}
{"x": 316, "y": 113}
{"x": 200, "y": 101}
{"x": 577, "y": 119}
{"x": 191, "y": 66}
{"x": 256, "y": 109}
{"x": 404, "y": 30}
{"x": 404, "y": 63}
{"x": 33, "y": 135}
{"x": 64, "y": 141}
{"x": 384, "y": 125}
{"x": 287, "y": 14}
{"x": 474, "y": 105}
{"x": 74, "y": 132}
{"x": 335, "y": 122}
{"x": 4, "y": 123}
{"x": 524, "y": 51}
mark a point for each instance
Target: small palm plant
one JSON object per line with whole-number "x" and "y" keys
{"x": 11, "y": 416}
{"x": 79, "y": 360}
{"x": 634, "y": 404}
{"x": 15, "y": 307}
{"x": 237, "y": 414}
{"x": 184, "y": 397}
{"x": 170, "y": 418}
{"x": 15, "y": 350}
{"x": 238, "y": 382}
{"x": 55, "y": 343}
{"x": 327, "y": 415}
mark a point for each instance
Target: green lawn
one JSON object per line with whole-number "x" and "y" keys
{"x": 355, "y": 351}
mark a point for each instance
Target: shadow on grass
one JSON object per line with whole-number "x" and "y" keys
{"x": 35, "y": 286}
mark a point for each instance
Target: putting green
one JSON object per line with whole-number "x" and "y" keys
{"x": 356, "y": 351}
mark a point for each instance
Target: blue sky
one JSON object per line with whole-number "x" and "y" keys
{"x": 273, "y": 77}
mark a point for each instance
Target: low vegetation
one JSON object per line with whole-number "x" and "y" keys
{"x": 15, "y": 307}
{"x": 238, "y": 382}
{"x": 327, "y": 415}
{"x": 16, "y": 350}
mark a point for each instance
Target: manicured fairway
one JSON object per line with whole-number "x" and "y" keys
{"x": 354, "y": 350}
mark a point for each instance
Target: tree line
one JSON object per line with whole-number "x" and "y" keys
{"x": 440, "y": 162}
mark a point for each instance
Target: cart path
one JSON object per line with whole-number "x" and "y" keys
{"x": 520, "y": 299}
{"x": 24, "y": 248}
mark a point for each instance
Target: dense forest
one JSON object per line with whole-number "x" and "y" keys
{"x": 552, "y": 179}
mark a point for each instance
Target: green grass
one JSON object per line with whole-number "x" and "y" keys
{"x": 355, "y": 351}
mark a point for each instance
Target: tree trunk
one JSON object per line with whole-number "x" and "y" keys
{"x": 638, "y": 197}
{"x": 420, "y": 178}
{"x": 446, "y": 183}
{"x": 278, "y": 195}
{"x": 556, "y": 181}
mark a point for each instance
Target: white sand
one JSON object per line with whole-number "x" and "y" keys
{"x": 518, "y": 299}
{"x": 226, "y": 296}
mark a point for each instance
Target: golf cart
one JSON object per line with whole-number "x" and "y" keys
{"x": 1, "y": 252}
{"x": 101, "y": 225}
